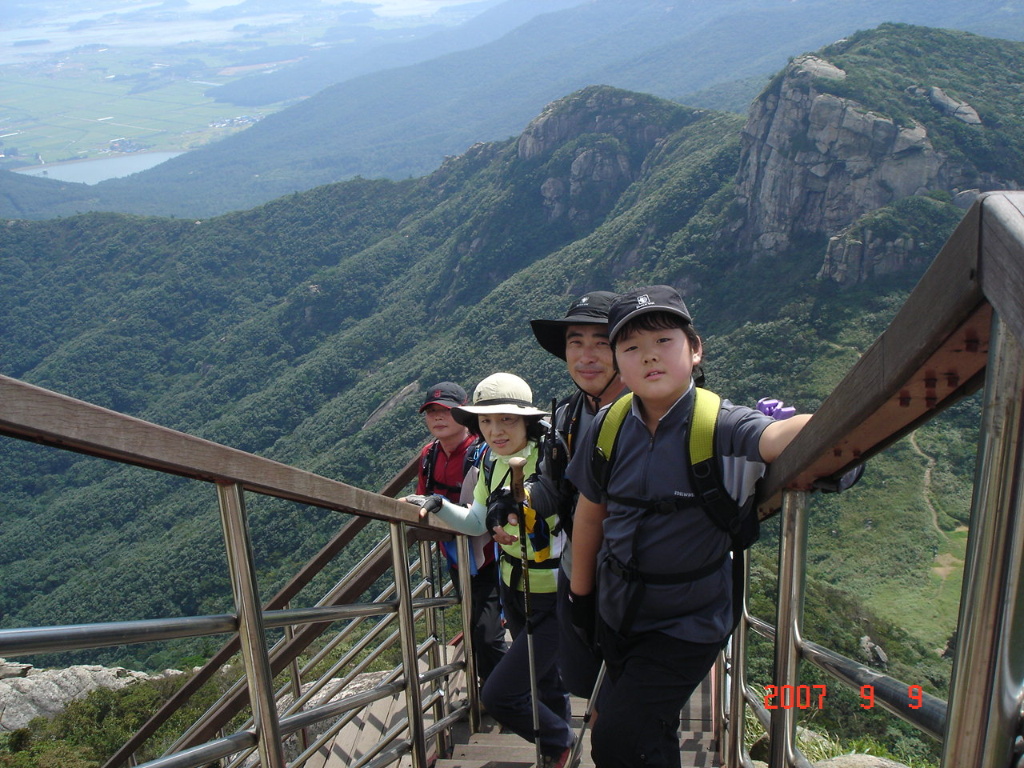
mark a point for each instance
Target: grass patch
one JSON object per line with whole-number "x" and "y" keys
{"x": 78, "y": 107}
{"x": 929, "y": 608}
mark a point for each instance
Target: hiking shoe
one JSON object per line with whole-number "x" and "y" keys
{"x": 556, "y": 761}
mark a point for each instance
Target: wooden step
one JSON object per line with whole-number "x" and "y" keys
{"x": 492, "y": 747}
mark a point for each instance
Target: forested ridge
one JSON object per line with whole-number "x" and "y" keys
{"x": 282, "y": 329}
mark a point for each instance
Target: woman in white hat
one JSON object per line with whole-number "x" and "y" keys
{"x": 502, "y": 412}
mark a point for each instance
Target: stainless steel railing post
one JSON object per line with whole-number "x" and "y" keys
{"x": 466, "y": 590}
{"x": 296, "y": 683}
{"x": 250, "y": 624}
{"x": 410, "y": 659}
{"x": 988, "y": 668}
{"x": 789, "y": 620}
{"x": 435, "y": 579}
{"x": 732, "y": 751}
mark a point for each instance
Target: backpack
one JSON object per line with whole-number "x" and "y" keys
{"x": 740, "y": 522}
{"x": 476, "y": 453}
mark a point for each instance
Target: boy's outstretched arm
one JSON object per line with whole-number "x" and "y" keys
{"x": 587, "y": 537}
{"x": 779, "y": 434}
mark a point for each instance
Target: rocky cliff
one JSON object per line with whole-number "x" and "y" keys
{"x": 814, "y": 162}
{"x": 27, "y": 693}
{"x": 608, "y": 134}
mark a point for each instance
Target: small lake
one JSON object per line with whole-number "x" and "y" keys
{"x": 95, "y": 171}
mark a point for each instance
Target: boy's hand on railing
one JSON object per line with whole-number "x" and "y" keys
{"x": 843, "y": 482}
{"x": 778, "y": 410}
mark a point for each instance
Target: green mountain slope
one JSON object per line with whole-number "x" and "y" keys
{"x": 295, "y": 330}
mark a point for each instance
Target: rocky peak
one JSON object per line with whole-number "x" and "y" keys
{"x": 594, "y": 110}
{"x": 815, "y": 162}
{"x": 613, "y": 131}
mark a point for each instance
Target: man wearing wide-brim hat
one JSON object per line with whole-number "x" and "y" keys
{"x": 580, "y": 338}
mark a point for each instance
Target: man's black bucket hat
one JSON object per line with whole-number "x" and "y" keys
{"x": 589, "y": 309}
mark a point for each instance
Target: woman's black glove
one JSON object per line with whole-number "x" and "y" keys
{"x": 500, "y": 505}
{"x": 583, "y": 614}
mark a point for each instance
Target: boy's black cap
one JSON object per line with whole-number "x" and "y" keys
{"x": 589, "y": 309}
{"x": 447, "y": 394}
{"x": 653, "y": 298}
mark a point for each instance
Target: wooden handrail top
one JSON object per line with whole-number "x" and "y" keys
{"x": 39, "y": 415}
{"x": 933, "y": 353}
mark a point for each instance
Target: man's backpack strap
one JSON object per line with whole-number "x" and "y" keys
{"x": 427, "y": 467}
{"x": 475, "y": 453}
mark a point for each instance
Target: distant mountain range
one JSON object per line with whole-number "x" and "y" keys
{"x": 402, "y": 122}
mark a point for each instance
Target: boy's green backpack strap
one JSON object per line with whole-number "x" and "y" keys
{"x": 707, "y": 483}
{"x": 610, "y": 424}
{"x": 741, "y": 523}
{"x": 702, "y": 428}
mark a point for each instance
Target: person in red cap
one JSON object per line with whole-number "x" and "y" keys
{"x": 448, "y": 466}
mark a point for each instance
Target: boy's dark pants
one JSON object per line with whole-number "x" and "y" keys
{"x": 650, "y": 677}
{"x": 506, "y": 696}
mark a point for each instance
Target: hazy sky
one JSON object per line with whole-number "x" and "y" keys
{"x": 384, "y": 7}
{"x": 112, "y": 22}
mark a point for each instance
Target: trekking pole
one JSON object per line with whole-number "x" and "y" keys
{"x": 577, "y": 748}
{"x": 516, "y": 464}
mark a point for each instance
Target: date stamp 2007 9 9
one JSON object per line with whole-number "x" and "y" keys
{"x": 813, "y": 696}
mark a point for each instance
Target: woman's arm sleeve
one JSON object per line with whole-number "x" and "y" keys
{"x": 469, "y": 520}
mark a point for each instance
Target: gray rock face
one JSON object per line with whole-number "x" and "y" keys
{"x": 858, "y": 254}
{"x": 949, "y": 106}
{"x": 858, "y": 761}
{"x": 599, "y": 171}
{"x": 814, "y": 162}
{"x": 43, "y": 693}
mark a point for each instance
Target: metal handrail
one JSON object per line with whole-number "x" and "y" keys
{"x": 305, "y": 575}
{"x": 421, "y": 608}
{"x": 46, "y": 417}
{"x": 890, "y": 692}
{"x": 962, "y": 327}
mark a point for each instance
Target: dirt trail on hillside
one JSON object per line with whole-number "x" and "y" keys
{"x": 945, "y": 563}
{"x": 927, "y": 485}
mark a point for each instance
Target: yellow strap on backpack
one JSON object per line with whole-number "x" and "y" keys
{"x": 542, "y": 554}
{"x": 610, "y": 426}
{"x": 702, "y": 428}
